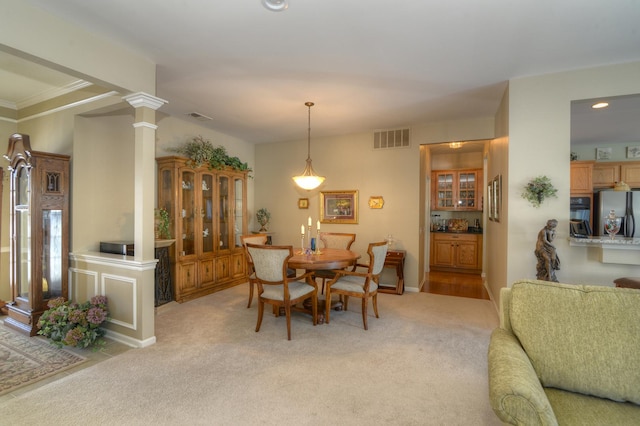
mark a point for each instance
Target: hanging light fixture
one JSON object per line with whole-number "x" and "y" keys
{"x": 308, "y": 179}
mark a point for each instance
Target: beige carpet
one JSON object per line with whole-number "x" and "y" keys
{"x": 25, "y": 360}
{"x": 422, "y": 363}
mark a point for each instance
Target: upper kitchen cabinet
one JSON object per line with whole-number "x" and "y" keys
{"x": 606, "y": 174}
{"x": 456, "y": 190}
{"x": 581, "y": 177}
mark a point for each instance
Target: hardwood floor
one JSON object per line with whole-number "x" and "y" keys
{"x": 455, "y": 284}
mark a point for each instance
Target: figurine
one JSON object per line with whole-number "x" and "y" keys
{"x": 548, "y": 260}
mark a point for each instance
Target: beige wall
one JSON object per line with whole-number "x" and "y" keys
{"x": 539, "y": 144}
{"x": 7, "y": 128}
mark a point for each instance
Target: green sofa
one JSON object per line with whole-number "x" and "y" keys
{"x": 566, "y": 355}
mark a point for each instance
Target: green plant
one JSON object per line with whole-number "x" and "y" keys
{"x": 538, "y": 189}
{"x": 72, "y": 324}
{"x": 201, "y": 151}
{"x": 163, "y": 221}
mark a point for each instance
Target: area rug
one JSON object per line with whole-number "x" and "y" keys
{"x": 24, "y": 360}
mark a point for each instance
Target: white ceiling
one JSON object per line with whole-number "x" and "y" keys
{"x": 367, "y": 65}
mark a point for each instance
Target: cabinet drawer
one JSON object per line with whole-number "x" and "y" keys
{"x": 207, "y": 271}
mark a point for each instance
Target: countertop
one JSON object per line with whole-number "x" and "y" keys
{"x": 470, "y": 230}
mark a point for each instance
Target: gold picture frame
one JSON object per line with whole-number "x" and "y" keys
{"x": 376, "y": 202}
{"x": 339, "y": 206}
{"x": 303, "y": 203}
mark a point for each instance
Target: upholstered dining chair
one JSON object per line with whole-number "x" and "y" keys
{"x": 260, "y": 239}
{"x": 333, "y": 240}
{"x": 363, "y": 285}
{"x": 275, "y": 287}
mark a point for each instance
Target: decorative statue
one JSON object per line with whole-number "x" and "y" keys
{"x": 548, "y": 260}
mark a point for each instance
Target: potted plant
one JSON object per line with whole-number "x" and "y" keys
{"x": 162, "y": 224}
{"x": 201, "y": 151}
{"x": 263, "y": 217}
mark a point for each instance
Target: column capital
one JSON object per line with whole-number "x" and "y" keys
{"x": 142, "y": 99}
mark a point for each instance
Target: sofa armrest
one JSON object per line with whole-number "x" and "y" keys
{"x": 515, "y": 391}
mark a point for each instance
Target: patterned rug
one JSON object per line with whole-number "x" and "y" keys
{"x": 24, "y": 360}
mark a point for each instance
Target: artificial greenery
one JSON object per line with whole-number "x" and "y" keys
{"x": 73, "y": 324}
{"x": 201, "y": 151}
{"x": 163, "y": 223}
{"x": 538, "y": 189}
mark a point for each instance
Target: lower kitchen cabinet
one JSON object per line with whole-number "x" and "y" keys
{"x": 456, "y": 252}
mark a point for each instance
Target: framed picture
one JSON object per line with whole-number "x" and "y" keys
{"x": 490, "y": 199}
{"x": 303, "y": 203}
{"x": 339, "y": 206}
{"x": 633, "y": 152}
{"x": 603, "y": 153}
{"x": 497, "y": 197}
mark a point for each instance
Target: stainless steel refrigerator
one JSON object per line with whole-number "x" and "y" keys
{"x": 626, "y": 204}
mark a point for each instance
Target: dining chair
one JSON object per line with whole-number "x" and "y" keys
{"x": 363, "y": 285}
{"x": 260, "y": 239}
{"x": 275, "y": 287}
{"x": 333, "y": 240}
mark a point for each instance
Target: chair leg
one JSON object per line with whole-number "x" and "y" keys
{"x": 345, "y": 303}
{"x": 327, "y": 305}
{"x": 314, "y": 308}
{"x": 260, "y": 312}
{"x": 287, "y": 310}
{"x": 250, "y": 294}
{"x": 375, "y": 305}
{"x": 364, "y": 312}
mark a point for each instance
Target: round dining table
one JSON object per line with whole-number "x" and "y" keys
{"x": 328, "y": 258}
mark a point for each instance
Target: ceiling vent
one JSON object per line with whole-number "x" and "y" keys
{"x": 398, "y": 138}
{"x": 198, "y": 116}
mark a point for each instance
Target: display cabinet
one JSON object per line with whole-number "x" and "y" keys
{"x": 39, "y": 230}
{"x": 459, "y": 190}
{"x": 208, "y": 215}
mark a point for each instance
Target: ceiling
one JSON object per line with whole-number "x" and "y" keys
{"x": 366, "y": 65}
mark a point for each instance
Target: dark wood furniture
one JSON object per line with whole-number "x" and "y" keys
{"x": 627, "y": 282}
{"x": 394, "y": 260}
{"x": 207, "y": 210}
{"x": 39, "y": 230}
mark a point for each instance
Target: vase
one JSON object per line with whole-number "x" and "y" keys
{"x": 263, "y": 227}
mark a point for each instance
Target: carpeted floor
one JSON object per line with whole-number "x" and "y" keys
{"x": 25, "y": 360}
{"x": 422, "y": 363}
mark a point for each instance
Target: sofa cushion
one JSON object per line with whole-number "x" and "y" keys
{"x": 581, "y": 410}
{"x": 580, "y": 338}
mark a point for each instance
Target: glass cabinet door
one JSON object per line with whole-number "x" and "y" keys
{"x": 223, "y": 224}
{"x": 188, "y": 213}
{"x": 206, "y": 213}
{"x": 444, "y": 190}
{"x": 467, "y": 190}
{"x": 166, "y": 195}
{"x": 23, "y": 232}
{"x": 238, "y": 219}
{"x": 51, "y": 254}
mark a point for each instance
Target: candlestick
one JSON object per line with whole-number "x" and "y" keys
{"x": 318, "y": 225}
{"x": 302, "y": 230}
{"x": 302, "y": 241}
{"x": 309, "y": 235}
{"x": 317, "y": 250}
{"x": 309, "y": 221}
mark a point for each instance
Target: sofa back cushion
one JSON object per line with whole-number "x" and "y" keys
{"x": 580, "y": 338}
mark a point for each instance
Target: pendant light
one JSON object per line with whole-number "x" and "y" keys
{"x": 308, "y": 179}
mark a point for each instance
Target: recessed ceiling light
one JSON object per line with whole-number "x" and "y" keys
{"x": 275, "y": 5}
{"x": 600, "y": 105}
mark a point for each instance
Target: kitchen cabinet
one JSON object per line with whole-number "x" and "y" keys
{"x": 456, "y": 252}
{"x": 207, "y": 210}
{"x": 581, "y": 177}
{"x": 457, "y": 190}
{"x": 606, "y": 174}
{"x": 39, "y": 232}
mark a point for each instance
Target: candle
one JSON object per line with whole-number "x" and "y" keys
{"x": 302, "y": 229}
{"x": 318, "y": 225}
{"x": 309, "y": 220}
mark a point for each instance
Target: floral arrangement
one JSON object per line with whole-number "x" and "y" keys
{"x": 538, "y": 189}
{"x": 263, "y": 217}
{"x": 73, "y": 324}
{"x": 162, "y": 223}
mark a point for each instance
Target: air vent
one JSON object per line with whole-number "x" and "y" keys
{"x": 198, "y": 116}
{"x": 398, "y": 138}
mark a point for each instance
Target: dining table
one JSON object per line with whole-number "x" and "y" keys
{"x": 325, "y": 259}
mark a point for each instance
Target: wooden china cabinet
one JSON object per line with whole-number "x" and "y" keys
{"x": 39, "y": 231}
{"x": 208, "y": 214}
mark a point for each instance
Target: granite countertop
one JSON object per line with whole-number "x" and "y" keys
{"x": 470, "y": 230}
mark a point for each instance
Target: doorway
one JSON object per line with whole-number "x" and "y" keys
{"x": 453, "y": 194}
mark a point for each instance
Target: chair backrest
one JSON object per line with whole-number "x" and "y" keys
{"x": 377, "y": 255}
{"x": 260, "y": 239}
{"x": 337, "y": 240}
{"x": 270, "y": 262}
